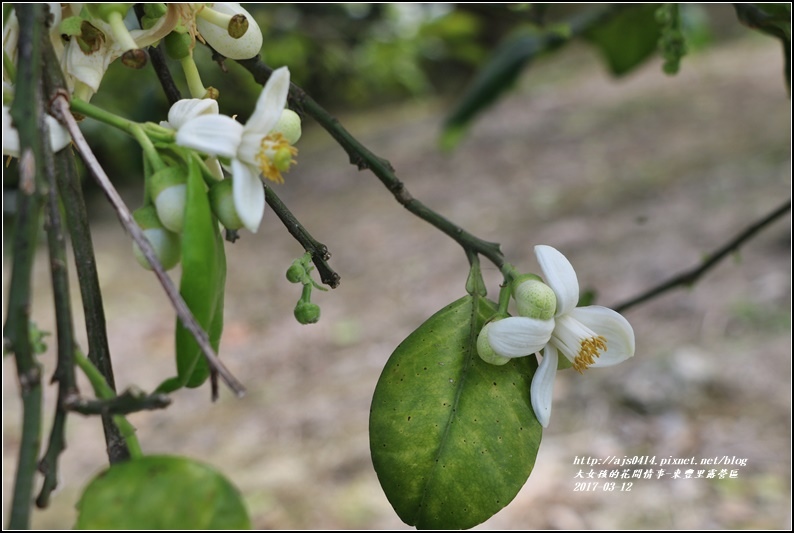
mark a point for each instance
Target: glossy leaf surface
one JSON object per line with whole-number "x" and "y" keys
{"x": 453, "y": 439}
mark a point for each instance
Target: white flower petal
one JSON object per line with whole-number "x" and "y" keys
{"x": 216, "y": 135}
{"x": 614, "y": 327}
{"x": 519, "y": 336}
{"x": 10, "y": 134}
{"x": 542, "y": 388}
{"x": 190, "y": 108}
{"x": 558, "y": 273}
{"x": 59, "y": 136}
{"x": 248, "y": 194}
{"x": 270, "y": 103}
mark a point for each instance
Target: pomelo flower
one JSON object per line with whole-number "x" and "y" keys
{"x": 253, "y": 149}
{"x": 587, "y": 336}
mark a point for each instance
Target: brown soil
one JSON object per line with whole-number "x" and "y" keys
{"x": 634, "y": 180}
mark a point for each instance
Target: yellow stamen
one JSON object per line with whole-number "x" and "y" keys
{"x": 588, "y": 351}
{"x": 275, "y": 156}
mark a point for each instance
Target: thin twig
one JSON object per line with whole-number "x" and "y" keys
{"x": 319, "y": 251}
{"x": 26, "y": 112}
{"x": 160, "y": 66}
{"x": 689, "y": 277}
{"x": 64, "y": 370}
{"x": 363, "y": 158}
{"x": 129, "y": 401}
{"x": 71, "y": 194}
{"x": 61, "y": 111}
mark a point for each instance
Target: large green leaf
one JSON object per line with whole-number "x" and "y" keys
{"x": 201, "y": 286}
{"x": 453, "y": 439}
{"x": 159, "y": 492}
{"x": 627, "y": 39}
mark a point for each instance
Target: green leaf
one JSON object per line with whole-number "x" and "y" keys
{"x": 495, "y": 78}
{"x": 453, "y": 439}
{"x": 160, "y": 492}
{"x": 627, "y": 39}
{"x": 201, "y": 286}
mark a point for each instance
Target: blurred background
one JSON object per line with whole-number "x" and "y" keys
{"x": 634, "y": 179}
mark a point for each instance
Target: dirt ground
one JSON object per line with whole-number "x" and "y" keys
{"x": 633, "y": 180}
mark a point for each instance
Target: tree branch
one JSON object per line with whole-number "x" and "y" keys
{"x": 689, "y": 277}
{"x": 319, "y": 251}
{"x": 64, "y": 370}
{"x": 26, "y": 112}
{"x": 130, "y": 401}
{"x": 160, "y": 66}
{"x": 363, "y": 158}
{"x": 71, "y": 194}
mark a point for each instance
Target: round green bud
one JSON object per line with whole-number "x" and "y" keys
{"x": 222, "y": 203}
{"x": 307, "y": 312}
{"x": 165, "y": 243}
{"x": 289, "y": 125}
{"x": 178, "y": 45}
{"x": 535, "y": 299}
{"x": 296, "y": 272}
{"x": 485, "y": 351}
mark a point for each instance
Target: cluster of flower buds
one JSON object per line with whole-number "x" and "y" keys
{"x": 306, "y": 311}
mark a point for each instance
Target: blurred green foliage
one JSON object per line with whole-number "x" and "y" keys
{"x": 358, "y": 55}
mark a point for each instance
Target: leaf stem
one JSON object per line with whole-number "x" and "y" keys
{"x": 103, "y": 391}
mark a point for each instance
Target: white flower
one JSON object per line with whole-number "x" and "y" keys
{"x": 587, "y": 336}
{"x": 59, "y": 137}
{"x": 253, "y": 149}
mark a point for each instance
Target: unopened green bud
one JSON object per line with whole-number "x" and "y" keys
{"x": 165, "y": 243}
{"x": 307, "y": 312}
{"x": 296, "y": 272}
{"x": 289, "y": 125}
{"x": 178, "y": 45}
{"x": 534, "y": 299}
{"x": 485, "y": 351}
{"x": 222, "y": 203}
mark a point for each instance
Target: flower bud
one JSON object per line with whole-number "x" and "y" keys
{"x": 289, "y": 125}
{"x": 178, "y": 45}
{"x": 296, "y": 272}
{"x": 534, "y": 298}
{"x": 307, "y": 312}
{"x": 165, "y": 243}
{"x": 485, "y": 351}
{"x": 168, "y": 190}
{"x": 244, "y": 47}
{"x": 222, "y": 203}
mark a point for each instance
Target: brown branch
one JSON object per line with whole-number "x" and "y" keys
{"x": 689, "y": 277}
